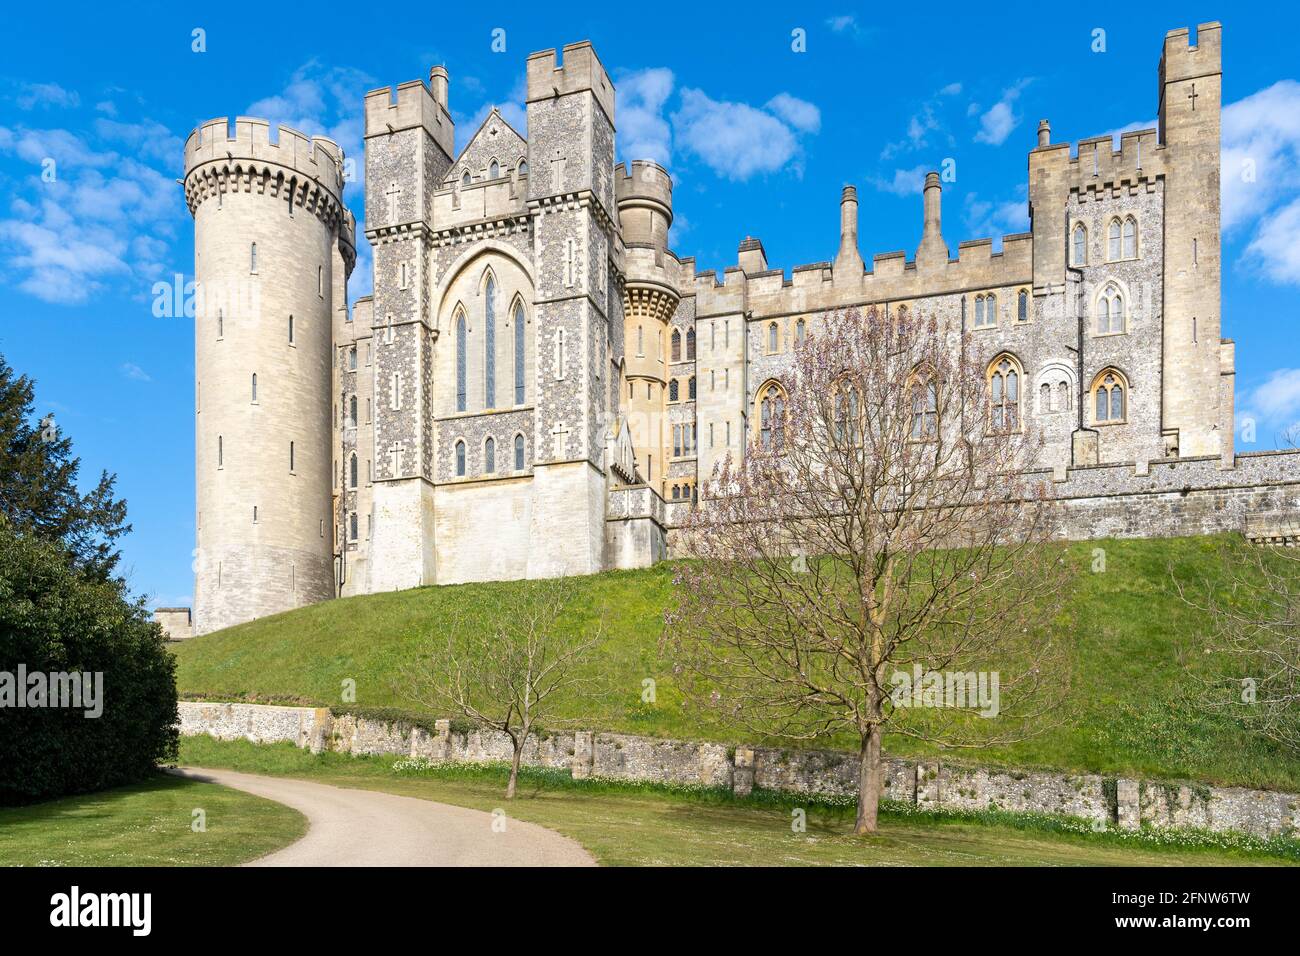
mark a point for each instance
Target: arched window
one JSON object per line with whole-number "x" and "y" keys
{"x": 672, "y": 390}
{"x": 464, "y": 180}
{"x": 490, "y": 343}
{"x": 1130, "y": 249}
{"x": 352, "y": 471}
{"x": 677, "y": 492}
{"x": 352, "y": 411}
{"x": 519, "y": 353}
{"x": 490, "y": 455}
{"x": 1022, "y": 306}
{"x": 771, "y": 415}
{"x": 1113, "y": 240}
{"x": 690, "y": 345}
{"x": 519, "y": 453}
{"x": 254, "y": 387}
{"x": 1045, "y": 398}
{"x": 460, "y": 364}
{"x": 494, "y": 170}
{"x": 1004, "y": 394}
{"x": 986, "y": 310}
{"x": 800, "y": 332}
{"x": 523, "y": 167}
{"x": 352, "y": 359}
{"x": 1109, "y": 400}
{"x": 352, "y": 525}
{"x": 677, "y": 346}
{"x": 925, "y": 407}
{"x": 772, "y": 337}
{"x": 690, "y": 388}
{"x": 460, "y": 459}
{"x": 1079, "y": 248}
{"x": 847, "y": 412}
{"x": 1110, "y": 310}
{"x": 1064, "y": 397}
{"x": 252, "y": 258}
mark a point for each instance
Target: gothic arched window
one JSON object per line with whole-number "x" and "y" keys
{"x": 1110, "y": 310}
{"x": 519, "y": 353}
{"x": 690, "y": 345}
{"x": 925, "y": 407}
{"x": 771, "y": 416}
{"x": 490, "y": 455}
{"x": 800, "y": 332}
{"x": 519, "y": 453}
{"x": 672, "y": 390}
{"x": 1113, "y": 240}
{"x": 1129, "y": 250}
{"x": 1022, "y": 306}
{"x": 1109, "y": 397}
{"x": 1004, "y": 394}
{"x": 461, "y": 395}
{"x": 460, "y": 458}
{"x": 847, "y": 412}
{"x": 464, "y": 180}
{"x": 494, "y": 170}
{"x": 352, "y": 471}
{"x": 1079, "y": 253}
{"x": 490, "y": 343}
{"x": 677, "y": 346}
{"x": 690, "y": 388}
{"x": 352, "y": 412}
{"x": 773, "y": 337}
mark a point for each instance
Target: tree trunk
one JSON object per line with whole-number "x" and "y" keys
{"x": 870, "y": 774}
{"x": 514, "y": 769}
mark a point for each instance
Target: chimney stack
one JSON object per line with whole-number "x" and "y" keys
{"x": 438, "y": 86}
{"x": 933, "y": 250}
{"x": 848, "y": 261}
{"x": 1044, "y": 133}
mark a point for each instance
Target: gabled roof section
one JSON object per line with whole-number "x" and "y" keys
{"x": 495, "y": 140}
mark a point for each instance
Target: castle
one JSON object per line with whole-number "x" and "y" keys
{"x": 538, "y": 384}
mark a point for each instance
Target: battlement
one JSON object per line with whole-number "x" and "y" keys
{"x": 1184, "y": 60}
{"x": 1096, "y": 163}
{"x": 316, "y": 158}
{"x": 412, "y": 104}
{"x": 646, "y": 182}
{"x": 580, "y": 71}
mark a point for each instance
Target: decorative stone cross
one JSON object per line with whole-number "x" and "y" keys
{"x": 557, "y": 172}
{"x": 392, "y": 193}
{"x": 1192, "y": 96}
{"x": 395, "y": 452}
{"x": 560, "y": 434}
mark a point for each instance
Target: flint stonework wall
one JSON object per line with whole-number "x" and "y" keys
{"x": 927, "y": 784}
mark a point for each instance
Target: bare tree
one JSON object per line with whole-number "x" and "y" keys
{"x": 881, "y": 532}
{"x": 505, "y": 671}
{"x": 1251, "y": 647}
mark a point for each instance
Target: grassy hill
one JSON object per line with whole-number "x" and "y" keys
{"x": 1130, "y": 711}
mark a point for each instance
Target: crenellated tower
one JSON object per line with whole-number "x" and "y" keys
{"x": 273, "y": 248}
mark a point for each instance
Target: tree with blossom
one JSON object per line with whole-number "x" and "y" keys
{"x": 884, "y": 528}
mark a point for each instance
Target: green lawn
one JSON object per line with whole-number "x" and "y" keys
{"x": 147, "y": 824}
{"x": 1128, "y": 714}
{"x": 624, "y": 825}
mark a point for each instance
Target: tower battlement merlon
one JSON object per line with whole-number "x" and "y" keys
{"x": 1184, "y": 60}
{"x": 413, "y": 104}
{"x": 579, "y": 70}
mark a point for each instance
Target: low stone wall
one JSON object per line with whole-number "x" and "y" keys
{"x": 927, "y": 784}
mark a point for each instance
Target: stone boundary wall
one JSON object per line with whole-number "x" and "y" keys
{"x": 930, "y": 785}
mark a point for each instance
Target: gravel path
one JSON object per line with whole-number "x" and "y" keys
{"x": 370, "y": 828}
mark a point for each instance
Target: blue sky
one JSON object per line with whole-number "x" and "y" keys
{"x": 759, "y": 138}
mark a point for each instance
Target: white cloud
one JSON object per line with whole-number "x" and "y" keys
{"x": 735, "y": 140}
{"x": 45, "y": 95}
{"x": 1273, "y": 408}
{"x": 998, "y": 122}
{"x": 904, "y": 182}
{"x": 843, "y": 22}
{"x": 800, "y": 114}
{"x": 952, "y": 89}
{"x": 643, "y": 130}
{"x": 1275, "y": 248}
{"x": 1261, "y": 151}
{"x": 134, "y": 372}
{"x": 146, "y": 138}
{"x": 513, "y": 110}
{"x": 994, "y": 219}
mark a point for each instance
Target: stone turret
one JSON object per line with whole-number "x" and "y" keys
{"x": 271, "y": 237}
{"x": 933, "y": 251}
{"x": 849, "y": 258}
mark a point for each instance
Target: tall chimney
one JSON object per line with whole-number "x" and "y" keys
{"x": 1044, "y": 133}
{"x": 933, "y": 250}
{"x": 848, "y": 261}
{"x": 438, "y": 85}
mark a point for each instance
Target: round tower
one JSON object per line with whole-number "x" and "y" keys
{"x": 270, "y": 235}
{"x": 644, "y": 194}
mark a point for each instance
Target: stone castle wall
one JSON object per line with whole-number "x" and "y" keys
{"x": 930, "y": 785}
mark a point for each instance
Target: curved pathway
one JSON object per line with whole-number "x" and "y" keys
{"x": 370, "y": 828}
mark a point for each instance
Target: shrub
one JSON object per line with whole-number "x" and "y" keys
{"x": 55, "y": 619}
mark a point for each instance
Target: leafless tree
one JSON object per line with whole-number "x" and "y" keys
{"x": 881, "y": 526}
{"x": 505, "y": 670}
{"x": 1251, "y": 645}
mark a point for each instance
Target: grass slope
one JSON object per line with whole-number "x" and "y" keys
{"x": 1129, "y": 712}
{"x": 147, "y": 824}
{"x": 649, "y": 826}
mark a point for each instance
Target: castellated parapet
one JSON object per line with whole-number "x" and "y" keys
{"x": 273, "y": 247}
